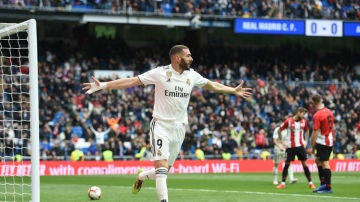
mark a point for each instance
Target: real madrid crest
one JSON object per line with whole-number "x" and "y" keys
{"x": 188, "y": 81}
{"x": 158, "y": 152}
{"x": 168, "y": 75}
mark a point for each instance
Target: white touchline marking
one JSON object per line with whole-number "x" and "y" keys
{"x": 272, "y": 193}
{"x": 254, "y": 192}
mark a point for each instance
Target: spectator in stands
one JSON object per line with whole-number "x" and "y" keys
{"x": 236, "y": 134}
{"x": 57, "y": 149}
{"x": 93, "y": 151}
{"x": 100, "y": 134}
{"x": 229, "y": 144}
{"x": 46, "y": 133}
{"x": 107, "y": 154}
{"x": 225, "y": 154}
{"x": 265, "y": 154}
{"x": 199, "y": 154}
{"x": 144, "y": 153}
{"x": 293, "y": 9}
{"x": 260, "y": 140}
{"x": 357, "y": 154}
{"x": 121, "y": 151}
{"x": 113, "y": 123}
{"x": 77, "y": 155}
{"x": 45, "y": 149}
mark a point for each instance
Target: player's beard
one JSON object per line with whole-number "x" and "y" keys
{"x": 184, "y": 65}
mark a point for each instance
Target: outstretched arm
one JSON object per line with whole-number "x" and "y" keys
{"x": 115, "y": 84}
{"x": 238, "y": 90}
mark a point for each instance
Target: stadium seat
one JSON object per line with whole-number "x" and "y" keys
{"x": 77, "y": 130}
{"x": 82, "y": 145}
{"x": 167, "y": 8}
{"x": 82, "y": 8}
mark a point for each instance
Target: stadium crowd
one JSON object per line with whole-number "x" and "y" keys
{"x": 293, "y": 9}
{"x": 220, "y": 126}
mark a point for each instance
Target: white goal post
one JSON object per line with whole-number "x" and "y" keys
{"x": 19, "y": 113}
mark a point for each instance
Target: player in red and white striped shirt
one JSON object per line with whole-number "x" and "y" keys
{"x": 296, "y": 127}
{"x": 322, "y": 139}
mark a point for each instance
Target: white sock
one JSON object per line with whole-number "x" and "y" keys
{"x": 275, "y": 171}
{"x": 161, "y": 186}
{"x": 147, "y": 174}
{"x": 291, "y": 173}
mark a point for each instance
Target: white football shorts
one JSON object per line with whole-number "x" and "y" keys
{"x": 166, "y": 138}
{"x": 278, "y": 155}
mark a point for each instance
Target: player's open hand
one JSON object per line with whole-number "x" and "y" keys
{"x": 94, "y": 86}
{"x": 243, "y": 92}
{"x": 282, "y": 148}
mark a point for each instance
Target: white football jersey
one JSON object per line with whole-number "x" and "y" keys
{"x": 283, "y": 133}
{"x": 172, "y": 91}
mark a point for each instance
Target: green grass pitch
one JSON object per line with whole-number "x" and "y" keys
{"x": 198, "y": 187}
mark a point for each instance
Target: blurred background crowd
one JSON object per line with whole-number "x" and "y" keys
{"x": 293, "y": 9}
{"x": 220, "y": 126}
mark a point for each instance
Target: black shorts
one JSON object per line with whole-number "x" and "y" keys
{"x": 296, "y": 151}
{"x": 323, "y": 152}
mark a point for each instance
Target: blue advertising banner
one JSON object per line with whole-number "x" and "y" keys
{"x": 267, "y": 26}
{"x": 352, "y": 29}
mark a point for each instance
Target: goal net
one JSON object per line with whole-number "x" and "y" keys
{"x": 19, "y": 118}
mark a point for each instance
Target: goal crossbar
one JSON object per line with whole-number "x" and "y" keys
{"x": 12, "y": 28}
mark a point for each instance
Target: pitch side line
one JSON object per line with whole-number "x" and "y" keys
{"x": 263, "y": 193}
{"x": 267, "y": 193}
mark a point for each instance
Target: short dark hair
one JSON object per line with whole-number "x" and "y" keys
{"x": 177, "y": 49}
{"x": 316, "y": 99}
{"x": 301, "y": 109}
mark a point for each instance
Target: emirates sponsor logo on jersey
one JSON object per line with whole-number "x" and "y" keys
{"x": 178, "y": 92}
